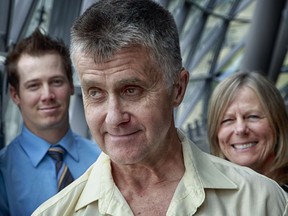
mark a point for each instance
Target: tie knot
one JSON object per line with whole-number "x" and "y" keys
{"x": 56, "y": 153}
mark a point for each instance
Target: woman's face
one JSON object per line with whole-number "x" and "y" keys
{"x": 245, "y": 135}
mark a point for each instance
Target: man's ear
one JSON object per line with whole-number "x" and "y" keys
{"x": 180, "y": 87}
{"x": 14, "y": 95}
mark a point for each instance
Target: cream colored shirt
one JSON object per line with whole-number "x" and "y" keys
{"x": 210, "y": 186}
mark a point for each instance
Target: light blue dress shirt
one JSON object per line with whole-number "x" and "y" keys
{"x": 27, "y": 173}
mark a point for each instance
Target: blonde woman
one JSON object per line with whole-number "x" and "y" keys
{"x": 248, "y": 125}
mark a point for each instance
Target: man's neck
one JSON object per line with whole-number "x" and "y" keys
{"x": 51, "y": 135}
{"x": 150, "y": 187}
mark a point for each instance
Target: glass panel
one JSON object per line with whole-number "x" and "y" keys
{"x": 41, "y": 16}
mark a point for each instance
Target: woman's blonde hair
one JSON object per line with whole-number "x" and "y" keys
{"x": 273, "y": 105}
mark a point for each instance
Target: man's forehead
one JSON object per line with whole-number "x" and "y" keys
{"x": 119, "y": 79}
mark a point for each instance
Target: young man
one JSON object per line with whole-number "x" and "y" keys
{"x": 128, "y": 60}
{"x": 40, "y": 76}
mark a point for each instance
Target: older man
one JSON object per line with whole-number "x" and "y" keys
{"x": 128, "y": 59}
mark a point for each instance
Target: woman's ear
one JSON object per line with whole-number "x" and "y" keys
{"x": 180, "y": 87}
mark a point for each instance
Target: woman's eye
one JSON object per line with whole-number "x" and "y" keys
{"x": 253, "y": 117}
{"x": 226, "y": 120}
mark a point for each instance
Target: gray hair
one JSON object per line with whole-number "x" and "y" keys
{"x": 111, "y": 25}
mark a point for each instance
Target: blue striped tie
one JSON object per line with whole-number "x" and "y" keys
{"x": 63, "y": 174}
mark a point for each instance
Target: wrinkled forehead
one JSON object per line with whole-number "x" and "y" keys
{"x": 133, "y": 59}
{"x": 101, "y": 55}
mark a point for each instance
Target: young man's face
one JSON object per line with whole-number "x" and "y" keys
{"x": 128, "y": 105}
{"x": 44, "y": 92}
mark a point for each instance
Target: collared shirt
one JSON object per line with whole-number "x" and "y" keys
{"x": 27, "y": 173}
{"x": 209, "y": 186}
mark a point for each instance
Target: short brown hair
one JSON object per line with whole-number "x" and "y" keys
{"x": 36, "y": 44}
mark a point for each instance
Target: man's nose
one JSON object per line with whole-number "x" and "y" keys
{"x": 116, "y": 113}
{"x": 47, "y": 93}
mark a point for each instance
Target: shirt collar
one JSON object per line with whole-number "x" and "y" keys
{"x": 98, "y": 186}
{"x": 204, "y": 171}
{"x": 209, "y": 175}
{"x": 36, "y": 147}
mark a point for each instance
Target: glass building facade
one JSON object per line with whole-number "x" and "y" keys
{"x": 217, "y": 38}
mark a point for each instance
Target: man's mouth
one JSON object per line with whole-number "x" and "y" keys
{"x": 48, "y": 107}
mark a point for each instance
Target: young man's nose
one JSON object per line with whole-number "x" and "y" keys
{"x": 47, "y": 92}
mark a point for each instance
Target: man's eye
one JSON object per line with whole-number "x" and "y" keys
{"x": 94, "y": 93}
{"x": 33, "y": 87}
{"x": 57, "y": 82}
{"x": 132, "y": 91}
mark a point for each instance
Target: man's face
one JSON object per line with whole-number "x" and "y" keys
{"x": 128, "y": 106}
{"x": 44, "y": 92}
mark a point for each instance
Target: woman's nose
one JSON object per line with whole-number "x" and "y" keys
{"x": 241, "y": 127}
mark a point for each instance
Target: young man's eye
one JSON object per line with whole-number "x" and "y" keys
{"x": 57, "y": 82}
{"x": 33, "y": 86}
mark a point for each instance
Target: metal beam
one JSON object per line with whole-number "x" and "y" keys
{"x": 262, "y": 35}
{"x": 280, "y": 48}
